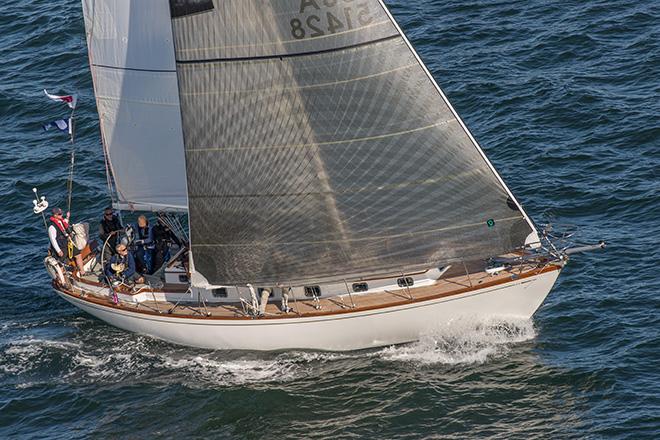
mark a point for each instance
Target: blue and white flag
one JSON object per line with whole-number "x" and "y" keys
{"x": 60, "y": 124}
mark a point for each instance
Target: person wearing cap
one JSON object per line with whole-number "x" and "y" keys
{"x": 59, "y": 233}
{"x": 108, "y": 228}
{"x": 121, "y": 267}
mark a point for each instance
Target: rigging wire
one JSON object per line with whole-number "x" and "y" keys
{"x": 175, "y": 226}
{"x": 73, "y": 161}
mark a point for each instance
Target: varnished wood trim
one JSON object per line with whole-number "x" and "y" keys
{"x": 109, "y": 304}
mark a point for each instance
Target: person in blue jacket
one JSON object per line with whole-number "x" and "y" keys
{"x": 121, "y": 267}
{"x": 143, "y": 245}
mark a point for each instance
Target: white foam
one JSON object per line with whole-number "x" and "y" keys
{"x": 124, "y": 357}
{"x": 22, "y": 355}
{"x": 317, "y": 356}
{"x": 463, "y": 342}
{"x": 232, "y": 372}
{"x": 115, "y": 360}
{"x": 88, "y": 361}
{"x": 4, "y": 326}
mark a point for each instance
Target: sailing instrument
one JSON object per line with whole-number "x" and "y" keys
{"x": 40, "y": 206}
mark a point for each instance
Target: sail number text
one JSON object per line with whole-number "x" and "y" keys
{"x": 316, "y": 20}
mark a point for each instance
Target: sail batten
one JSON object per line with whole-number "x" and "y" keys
{"x": 357, "y": 239}
{"x": 284, "y": 55}
{"x": 318, "y": 146}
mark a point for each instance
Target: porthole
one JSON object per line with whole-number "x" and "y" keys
{"x": 311, "y": 291}
{"x": 360, "y": 287}
{"x": 219, "y": 293}
{"x": 405, "y": 282}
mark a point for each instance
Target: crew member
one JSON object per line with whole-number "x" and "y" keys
{"x": 121, "y": 267}
{"x": 61, "y": 243}
{"x": 143, "y": 245}
{"x": 163, "y": 239}
{"x": 285, "y": 298}
{"x": 108, "y": 227}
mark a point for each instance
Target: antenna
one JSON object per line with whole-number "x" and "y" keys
{"x": 40, "y": 205}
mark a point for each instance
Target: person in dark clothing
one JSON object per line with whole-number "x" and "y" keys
{"x": 143, "y": 245}
{"x": 121, "y": 267}
{"x": 163, "y": 239}
{"x": 109, "y": 224}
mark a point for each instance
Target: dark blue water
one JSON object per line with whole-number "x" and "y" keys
{"x": 563, "y": 95}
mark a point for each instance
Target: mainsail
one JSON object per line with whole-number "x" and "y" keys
{"x": 317, "y": 146}
{"x": 132, "y": 63}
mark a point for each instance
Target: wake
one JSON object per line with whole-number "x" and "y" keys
{"x": 464, "y": 342}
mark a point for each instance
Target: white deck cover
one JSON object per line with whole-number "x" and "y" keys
{"x": 132, "y": 62}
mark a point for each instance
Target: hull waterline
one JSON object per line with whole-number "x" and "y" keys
{"x": 517, "y": 299}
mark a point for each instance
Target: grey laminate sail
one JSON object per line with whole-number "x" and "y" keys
{"x": 316, "y": 146}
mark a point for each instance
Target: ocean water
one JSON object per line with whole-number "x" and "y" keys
{"x": 563, "y": 96}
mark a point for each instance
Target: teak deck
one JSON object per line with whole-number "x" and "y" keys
{"x": 450, "y": 284}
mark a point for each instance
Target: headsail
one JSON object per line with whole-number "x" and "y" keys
{"x": 132, "y": 63}
{"x": 317, "y": 146}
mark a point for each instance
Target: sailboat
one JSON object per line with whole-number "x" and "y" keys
{"x": 332, "y": 197}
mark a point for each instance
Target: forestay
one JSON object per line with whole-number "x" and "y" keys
{"x": 132, "y": 61}
{"x": 317, "y": 147}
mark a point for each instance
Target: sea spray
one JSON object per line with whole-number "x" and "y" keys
{"x": 463, "y": 341}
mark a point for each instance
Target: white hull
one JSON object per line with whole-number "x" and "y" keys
{"x": 350, "y": 331}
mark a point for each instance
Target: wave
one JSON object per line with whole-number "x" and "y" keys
{"x": 235, "y": 372}
{"x": 27, "y": 354}
{"x": 138, "y": 358}
{"x": 463, "y": 342}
